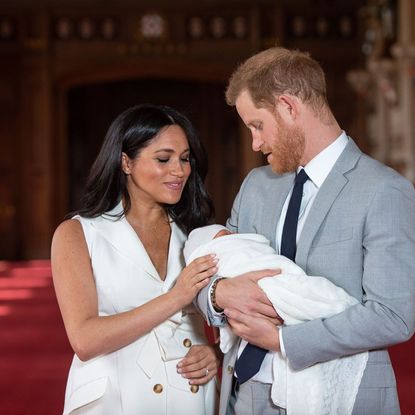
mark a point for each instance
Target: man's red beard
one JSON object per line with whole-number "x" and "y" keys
{"x": 287, "y": 151}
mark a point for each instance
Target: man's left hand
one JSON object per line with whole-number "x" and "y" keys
{"x": 255, "y": 330}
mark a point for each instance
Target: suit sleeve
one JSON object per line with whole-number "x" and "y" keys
{"x": 386, "y": 315}
{"x": 202, "y": 299}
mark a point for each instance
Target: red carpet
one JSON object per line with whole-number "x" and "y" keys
{"x": 35, "y": 354}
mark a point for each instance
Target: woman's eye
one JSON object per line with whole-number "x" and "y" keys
{"x": 186, "y": 159}
{"x": 162, "y": 160}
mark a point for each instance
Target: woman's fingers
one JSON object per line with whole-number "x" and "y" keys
{"x": 194, "y": 277}
{"x": 203, "y": 275}
{"x": 203, "y": 262}
{"x": 200, "y": 365}
{"x": 201, "y": 375}
{"x": 206, "y": 376}
{"x": 194, "y": 367}
{"x": 201, "y": 269}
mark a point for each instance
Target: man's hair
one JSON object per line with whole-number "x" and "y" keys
{"x": 278, "y": 71}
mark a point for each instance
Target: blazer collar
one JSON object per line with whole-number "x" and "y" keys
{"x": 175, "y": 261}
{"x": 120, "y": 234}
{"x": 326, "y": 196}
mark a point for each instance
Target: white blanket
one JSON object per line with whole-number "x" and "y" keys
{"x": 325, "y": 388}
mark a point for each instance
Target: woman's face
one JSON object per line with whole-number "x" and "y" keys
{"x": 160, "y": 171}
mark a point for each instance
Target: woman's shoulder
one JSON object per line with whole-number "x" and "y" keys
{"x": 69, "y": 229}
{"x": 68, "y": 238}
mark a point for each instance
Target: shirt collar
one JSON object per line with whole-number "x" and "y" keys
{"x": 320, "y": 166}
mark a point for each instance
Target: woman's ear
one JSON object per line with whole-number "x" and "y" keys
{"x": 125, "y": 163}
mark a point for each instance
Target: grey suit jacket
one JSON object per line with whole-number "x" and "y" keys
{"x": 360, "y": 234}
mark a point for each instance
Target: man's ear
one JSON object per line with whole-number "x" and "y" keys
{"x": 288, "y": 107}
{"x": 125, "y": 163}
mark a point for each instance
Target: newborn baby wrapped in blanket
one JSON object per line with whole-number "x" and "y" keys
{"x": 323, "y": 389}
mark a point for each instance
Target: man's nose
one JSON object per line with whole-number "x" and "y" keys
{"x": 256, "y": 142}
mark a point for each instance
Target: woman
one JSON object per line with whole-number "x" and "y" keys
{"x": 119, "y": 274}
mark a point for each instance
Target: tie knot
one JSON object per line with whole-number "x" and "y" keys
{"x": 301, "y": 177}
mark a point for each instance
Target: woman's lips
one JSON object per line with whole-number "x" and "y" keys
{"x": 175, "y": 185}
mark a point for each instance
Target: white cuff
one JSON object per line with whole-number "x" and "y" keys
{"x": 282, "y": 348}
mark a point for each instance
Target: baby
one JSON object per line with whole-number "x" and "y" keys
{"x": 296, "y": 297}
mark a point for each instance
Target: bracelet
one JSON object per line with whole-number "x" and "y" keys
{"x": 213, "y": 295}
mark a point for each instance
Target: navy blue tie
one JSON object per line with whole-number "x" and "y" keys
{"x": 289, "y": 231}
{"x": 251, "y": 358}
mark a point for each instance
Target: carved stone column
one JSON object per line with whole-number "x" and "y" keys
{"x": 404, "y": 54}
{"x": 388, "y": 88}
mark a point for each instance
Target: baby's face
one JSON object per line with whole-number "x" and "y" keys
{"x": 223, "y": 232}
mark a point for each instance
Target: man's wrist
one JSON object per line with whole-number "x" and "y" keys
{"x": 213, "y": 297}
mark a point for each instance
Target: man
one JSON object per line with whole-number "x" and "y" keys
{"x": 355, "y": 226}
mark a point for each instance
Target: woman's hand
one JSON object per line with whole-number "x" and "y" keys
{"x": 194, "y": 277}
{"x": 199, "y": 365}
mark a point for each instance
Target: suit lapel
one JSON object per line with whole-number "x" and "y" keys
{"x": 277, "y": 193}
{"x": 329, "y": 191}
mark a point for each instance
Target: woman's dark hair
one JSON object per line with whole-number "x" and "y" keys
{"x": 130, "y": 132}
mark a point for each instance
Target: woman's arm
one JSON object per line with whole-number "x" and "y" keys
{"x": 91, "y": 335}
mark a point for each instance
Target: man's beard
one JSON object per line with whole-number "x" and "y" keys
{"x": 288, "y": 149}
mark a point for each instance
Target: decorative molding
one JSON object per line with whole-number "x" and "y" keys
{"x": 86, "y": 28}
{"x": 322, "y": 26}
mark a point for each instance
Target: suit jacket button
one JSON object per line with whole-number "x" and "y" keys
{"x": 157, "y": 388}
{"x": 194, "y": 388}
{"x": 187, "y": 343}
{"x": 230, "y": 370}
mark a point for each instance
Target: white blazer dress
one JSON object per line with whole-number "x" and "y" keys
{"x": 140, "y": 378}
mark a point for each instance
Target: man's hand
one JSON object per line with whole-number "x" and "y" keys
{"x": 243, "y": 294}
{"x": 255, "y": 330}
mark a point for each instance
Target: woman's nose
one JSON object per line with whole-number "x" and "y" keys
{"x": 177, "y": 169}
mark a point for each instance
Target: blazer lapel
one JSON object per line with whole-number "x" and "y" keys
{"x": 120, "y": 234}
{"x": 277, "y": 193}
{"x": 326, "y": 196}
{"x": 175, "y": 262}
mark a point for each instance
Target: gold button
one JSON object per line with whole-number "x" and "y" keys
{"x": 230, "y": 370}
{"x": 194, "y": 388}
{"x": 187, "y": 343}
{"x": 157, "y": 388}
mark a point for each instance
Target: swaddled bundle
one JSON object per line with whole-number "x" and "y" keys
{"x": 323, "y": 389}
